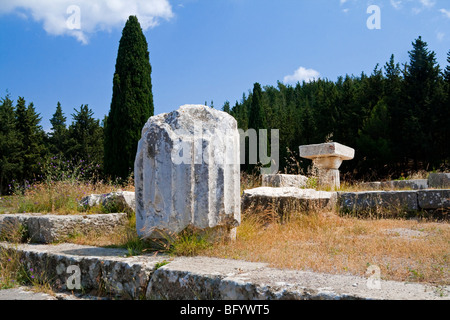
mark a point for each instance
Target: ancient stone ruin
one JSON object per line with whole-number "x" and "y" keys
{"x": 327, "y": 157}
{"x": 187, "y": 173}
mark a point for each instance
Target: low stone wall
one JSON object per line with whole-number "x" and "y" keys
{"x": 281, "y": 202}
{"x": 42, "y": 228}
{"x": 435, "y": 203}
{"x": 106, "y": 271}
{"x": 417, "y": 184}
{"x": 434, "y": 181}
{"x": 439, "y": 180}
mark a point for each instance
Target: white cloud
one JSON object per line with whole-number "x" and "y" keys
{"x": 94, "y": 15}
{"x": 302, "y": 74}
{"x": 445, "y": 12}
{"x": 440, "y": 36}
{"x": 428, "y": 3}
{"x": 396, "y": 4}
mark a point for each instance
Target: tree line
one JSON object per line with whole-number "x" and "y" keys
{"x": 396, "y": 118}
{"x": 108, "y": 147}
{"x": 25, "y": 146}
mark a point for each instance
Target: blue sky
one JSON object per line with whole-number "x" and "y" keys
{"x": 202, "y": 50}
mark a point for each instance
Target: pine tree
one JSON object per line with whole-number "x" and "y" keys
{"x": 393, "y": 99}
{"x": 132, "y": 101}
{"x": 85, "y": 137}
{"x": 9, "y": 144}
{"x": 446, "y": 114}
{"x": 32, "y": 137}
{"x": 447, "y": 69}
{"x": 58, "y": 137}
{"x": 226, "y": 107}
{"x": 257, "y": 117}
{"x": 420, "y": 92}
{"x": 373, "y": 141}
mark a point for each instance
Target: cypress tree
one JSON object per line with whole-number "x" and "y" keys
{"x": 131, "y": 104}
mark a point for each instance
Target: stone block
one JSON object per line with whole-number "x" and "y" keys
{"x": 187, "y": 173}
{"x": 55, "y": 228}
{"x": 327, "y": 150}
{"x": 120, "y": 201}
{"x": 327, "y": 157}
{"x": 414, "y": 184}
{"x": 378, "y": 203}
{"x": 439, "y": 180}
{"x": 284, "y": 180}
{"x": 434, "y": 199}
{"x": 280, "y": 203}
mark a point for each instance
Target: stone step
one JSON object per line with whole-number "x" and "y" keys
{"x": 284, "y": 201}
{"x": 392, "y": 203}
{"x": 439, "y": 180}
{"x": 414, "y": 184}
{"x": 191, "y": 278}
{"x": 434, "y": 181}
{"x": 42, "y": 228}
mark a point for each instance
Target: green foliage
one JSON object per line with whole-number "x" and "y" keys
{"x": 85, "y": 137}
{"x": 10, "y": 144}
{"x": 132, "y": 101}
{"x": 396, "y": 119}
{"x": 32, "y": 137}
{"x": 161, "y": 264}
{"x": 58, "y": 138}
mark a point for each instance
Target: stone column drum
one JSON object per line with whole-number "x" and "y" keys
{"x": 327, "y": 157}
{"x": 187, "y": 173}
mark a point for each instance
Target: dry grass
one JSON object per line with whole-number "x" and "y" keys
{"x": 59, "y": 197}
{"x": 404, "y": 250}
{"x": 324, "y": 242}
{"x": 320, "y": 241}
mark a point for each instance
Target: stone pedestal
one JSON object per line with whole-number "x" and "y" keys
{"x": 187, "y": 173}
{"x": 284, "y": 180}
{"x": 327, "y": 157}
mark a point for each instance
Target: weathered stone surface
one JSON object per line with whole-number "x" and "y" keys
{"x": 121, "y": 201}
{"x": 187, "y": 172}
{"x": 384, "y": 203}
{"x": 284, "y": 180}
{"x": 203, "y": 278}
{"x": 439, "y": 180}
{"x": 285, "y": 201}
{"x": 413, "y": 184}
{"x": 327, "y": 157}
{"x": 200, "y": 278}
{"x": 24, "y": 293}
{"x": 54, "y": 228}
{"x": 327, "y": 150}
{"x": 434, "y": 199}
{"x": 107, "y": 271}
